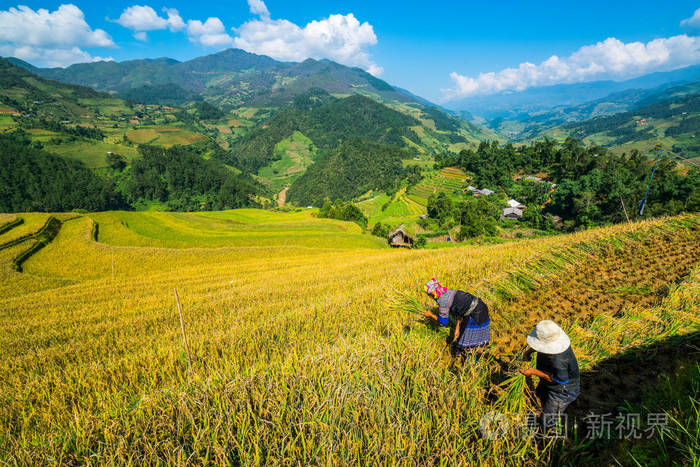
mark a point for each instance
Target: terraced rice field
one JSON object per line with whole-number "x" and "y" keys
{"x": 609, "y": 284}
{"x": 393, "y": 211}
{"x": 303, "y": 351}
{"x": 448, "y": 180}
{"x": 240, "y": 228}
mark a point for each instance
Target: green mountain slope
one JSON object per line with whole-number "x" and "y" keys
{"x": 675, "y": 123}
{"x": 234, "y": 79}
{"x": 353, "y": 168}
{"x": 27, "y": 93}
{"x": 282, "y": 132}
{"x": 228, "y": 78}
{"x": 532, "y": 125}
{"x": 327, "y": 122}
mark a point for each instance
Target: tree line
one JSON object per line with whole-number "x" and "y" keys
{"x": 591, "y": 182}
{"x": 31, "y": 179}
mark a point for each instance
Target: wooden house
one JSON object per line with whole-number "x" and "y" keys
{"x": 512, "y": 213}
{"x": 400, "y": 238}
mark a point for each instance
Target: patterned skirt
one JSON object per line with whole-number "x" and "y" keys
{"x": 474, "y": 335}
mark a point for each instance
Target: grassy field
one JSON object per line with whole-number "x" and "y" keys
{"x": 163, "y": 136}
{"x": 90, "y": 152}
{"x": 310, "y": 351}
{"x": 6, "y": 123}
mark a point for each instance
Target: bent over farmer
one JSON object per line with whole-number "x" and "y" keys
{"x": 472, "y": 327}
{"x": 557, "y": 369}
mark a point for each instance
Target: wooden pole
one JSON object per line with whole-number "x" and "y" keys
{"x": 625, "y": 209}
{"x": 184, "y": 337}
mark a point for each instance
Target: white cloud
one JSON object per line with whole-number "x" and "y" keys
{"x": 258, "y": 7}
{"x": 693, "y": 22}
{"x": 49, "y": 38}
{"x": 144, "y": 18}
{"x": 339, "y": 37}
{"x": 609, "y": 59}
{"x": 211, "y": 33}
{"x": 141, "y": 18}
{"x": 175, "y": 22}
{"x": 41, "y": 28}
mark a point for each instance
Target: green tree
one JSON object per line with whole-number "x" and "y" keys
{"x": 380, "y": 230}
{"x": 116, "y": 161}
{"x": 441, "y": 208}
{"x": 476, "y": 219}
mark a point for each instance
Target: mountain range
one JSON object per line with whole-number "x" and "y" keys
{"x": 231, "y": 78}
{"x": 524, "y": 105}
{"x": 282, "y": 108}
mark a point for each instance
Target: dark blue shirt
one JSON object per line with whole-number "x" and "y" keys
{"x": 562, "y": 366}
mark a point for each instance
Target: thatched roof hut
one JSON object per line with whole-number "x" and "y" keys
{"x": 400, "y": 238}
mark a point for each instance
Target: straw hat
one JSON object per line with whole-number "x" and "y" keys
{"x": 548, "y": 338}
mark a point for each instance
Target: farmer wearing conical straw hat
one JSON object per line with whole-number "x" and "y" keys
{"x": 557, "y": 369}
{"x": 472, "y": 327}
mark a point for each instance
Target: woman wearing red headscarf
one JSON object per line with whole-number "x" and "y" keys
{"x": 472, "y": 327}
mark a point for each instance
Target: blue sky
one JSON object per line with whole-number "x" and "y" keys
{"x": 440, "y": 50}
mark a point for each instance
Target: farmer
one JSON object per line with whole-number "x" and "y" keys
{"x": 557, "y": 369}
{"x": 470, "y": 313}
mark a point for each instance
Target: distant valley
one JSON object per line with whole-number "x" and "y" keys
{"x": 235, "y": 129}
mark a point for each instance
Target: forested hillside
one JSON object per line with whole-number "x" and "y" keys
{"x": 276, "y": 144}
{"x": 328, "y": 122}
{"x": 32, "y": 179}
{"x": 354, "y": 167}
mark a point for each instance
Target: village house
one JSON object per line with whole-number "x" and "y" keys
{"x": 512, "y": 213}
{"x": 400, "y": 238}
{"x": 516, "y": 204}
{"x": 477, "y": 191}
{"x": 531, "y": 178}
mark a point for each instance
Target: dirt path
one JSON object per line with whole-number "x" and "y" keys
{"x": 282, "y": 197}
